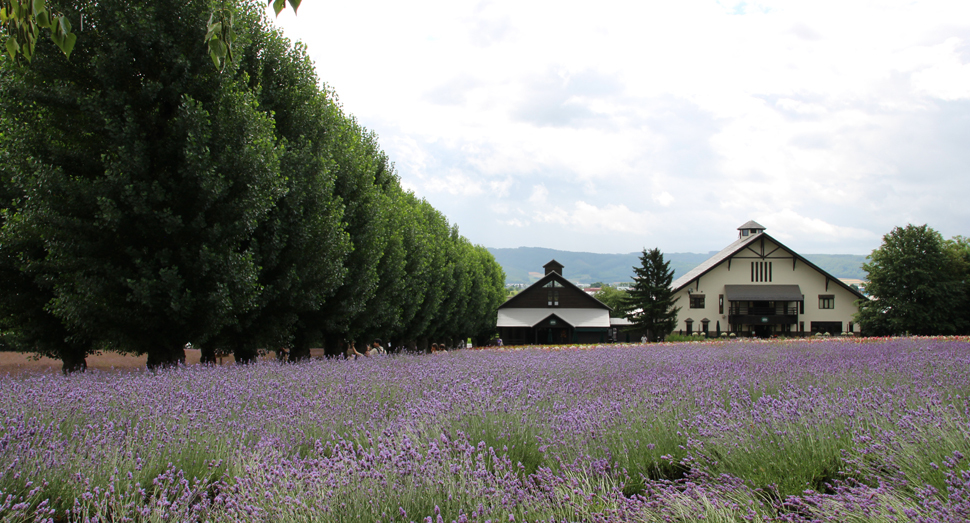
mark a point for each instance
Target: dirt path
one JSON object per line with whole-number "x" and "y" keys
{"x": 16, "y": 363}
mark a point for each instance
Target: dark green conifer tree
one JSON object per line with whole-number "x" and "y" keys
{"x": 651, "y": 301}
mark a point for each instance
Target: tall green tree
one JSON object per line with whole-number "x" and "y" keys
{"x": 488, "y": 293}
{"x": 958, "y": 248}
{"x": 451, "y": 321}
{"x": 301, "y": 246}
{"x": 152, "y": 199}
{"x": 915, "y": 285}
{"x": 383, "y": 312}
{"x": 355, "y": 165}
{"x": 417, "y": 296}
{"x": 26, "y": 324}
{"x": 651, "y": 299}
{"x": 149, "y": 173}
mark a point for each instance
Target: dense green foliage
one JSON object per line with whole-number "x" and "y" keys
{"x": 958, "y": 249}
{"x": 615, "y": 299}
{"x": 21, "y": 22}
{"x": 918, "y": 284}
{"x": 150, "y": 200}
{"x": 650, "y": 303}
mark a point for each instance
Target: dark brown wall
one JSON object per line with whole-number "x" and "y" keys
{"x": 537, "y": 297}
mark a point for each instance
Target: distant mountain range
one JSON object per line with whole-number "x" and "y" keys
{"x": 588, "y": 267}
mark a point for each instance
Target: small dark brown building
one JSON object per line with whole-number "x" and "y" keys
{"x": 553, "y": 311}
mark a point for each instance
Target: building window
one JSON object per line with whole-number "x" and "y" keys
{"x": 761, "y": 271}
{"x": 720, "y": 304}
{"x": 801, "y": 326}
{"x": 690, "y": 326}
{"x": 830, "y": 327}
{"x": 826, "y": 301}
{"x": 553, "y": 298}
{"x": 697, "y": 302}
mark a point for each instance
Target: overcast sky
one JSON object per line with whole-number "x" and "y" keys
{"x": 613, "y": 126}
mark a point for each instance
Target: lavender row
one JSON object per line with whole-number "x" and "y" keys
{"x": 741, "y": 431}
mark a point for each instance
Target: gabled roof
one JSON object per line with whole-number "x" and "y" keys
{"x": 566, "y": 283}
{"x": 715, "y": 260}
{"x": 736, "y": 247}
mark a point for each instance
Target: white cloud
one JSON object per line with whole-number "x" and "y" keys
{"x": 590, "y": 218}
{"x": 455, "y": 183}
{"x": 788, "y": 224}
{"x": 500, "y": 188}
{"x": 539, "y": 194}
{"x": 799, "y": 107}
{"x": 948, "y": 78}
{"x": 836, "y": 119}
{"x": 663, "y": 198}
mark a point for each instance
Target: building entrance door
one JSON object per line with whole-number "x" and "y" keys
{"x": 552, "y": 336}
{"x": 762, "y": 331}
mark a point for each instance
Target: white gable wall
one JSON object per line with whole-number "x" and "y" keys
{"x": 811, "y": 282}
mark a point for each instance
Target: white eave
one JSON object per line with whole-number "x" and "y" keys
{"x": 512, "y": 317}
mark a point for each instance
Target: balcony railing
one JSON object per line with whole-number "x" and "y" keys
{"x": 780, "y": 310}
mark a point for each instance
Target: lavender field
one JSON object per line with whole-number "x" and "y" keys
{"x": 838, "y": 430}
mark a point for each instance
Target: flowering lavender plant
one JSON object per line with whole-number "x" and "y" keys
{"x": 833, "y": 430}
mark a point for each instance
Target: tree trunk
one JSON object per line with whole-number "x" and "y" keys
{"x": 207, "y": 355}
{"x": 245, "y": 354}
{"x": 300, "y": 351}
{"x": 162, "y": 356}
{"x": 331, "y": 345}
{"x": 74, "y": 360}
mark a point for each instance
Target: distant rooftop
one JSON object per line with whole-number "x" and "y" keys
{"x": 752, "y": 225}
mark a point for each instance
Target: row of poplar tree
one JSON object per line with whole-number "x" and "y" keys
{"x": 150, "y": 199}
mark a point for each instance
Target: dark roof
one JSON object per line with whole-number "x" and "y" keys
{"x": 752, "y": 225}
{"x": 558, "y": 277}
{"x": 741, "y": 243}
{"x": 764, "y": 292}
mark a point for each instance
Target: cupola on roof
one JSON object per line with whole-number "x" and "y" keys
{"x": 750, "y": 228}
{"x": 553, "y": 266}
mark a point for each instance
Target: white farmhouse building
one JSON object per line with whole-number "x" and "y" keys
{"x": 757, "y": 286}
